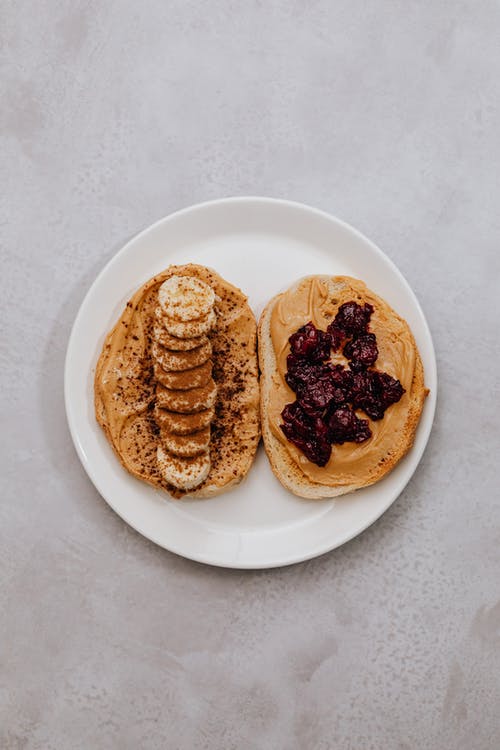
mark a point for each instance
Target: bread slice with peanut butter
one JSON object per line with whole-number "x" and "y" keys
{"x": 182, "y": 365}
{"x": 317, "y": 460}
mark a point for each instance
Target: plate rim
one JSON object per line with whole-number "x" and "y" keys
{"x": 321, "y": 549}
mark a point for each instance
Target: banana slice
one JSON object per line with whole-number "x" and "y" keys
{"x": 187, "y": 402}
{"x": 183, "y": 424}
{"x": 185, "y": 298}
{"x": 183, "y": 473}
{"x": 188, "y": 329}
{"x": 164, "y": 338}
{"x": 178, "y": 361}
{"x": 187, "y": 446}
{"x": 184, "y": 379}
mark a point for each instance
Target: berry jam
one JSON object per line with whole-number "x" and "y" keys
{"x": 328, "y": 394}
{"x": 361, "y": 351}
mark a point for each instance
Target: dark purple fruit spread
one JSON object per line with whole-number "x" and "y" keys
{"x": 328, "y": 395}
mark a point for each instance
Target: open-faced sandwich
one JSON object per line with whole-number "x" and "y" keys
{"x": 176, "y": 385}
{"x": 342, "y": 386}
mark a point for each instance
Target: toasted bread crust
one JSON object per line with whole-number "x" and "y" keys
{"x": 282, "y": 463}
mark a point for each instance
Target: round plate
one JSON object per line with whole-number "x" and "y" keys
{"x": 262, "y": 246}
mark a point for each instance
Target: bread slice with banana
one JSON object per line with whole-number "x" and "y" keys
{"x": 176, "y": 385}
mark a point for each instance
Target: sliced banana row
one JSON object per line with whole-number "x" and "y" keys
{"x": 175, "y": 361}
{"x": 163, "y": 337}
{"x": 182, "y": 424}
{"x": 185, "y": 390}
{"x": 186, "y": 329}
{"x": 184, "y": 379}
{"x": 186, "y": 298}
{"x": 184, "y": 473}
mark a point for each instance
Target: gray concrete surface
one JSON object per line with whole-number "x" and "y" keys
{"x": 113, "y": 114}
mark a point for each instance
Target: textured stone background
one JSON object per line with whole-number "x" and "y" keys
{"x": 113, "y": 114}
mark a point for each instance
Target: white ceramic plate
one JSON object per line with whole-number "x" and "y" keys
{"x": 261, "y": 245}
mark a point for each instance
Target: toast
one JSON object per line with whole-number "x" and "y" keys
{"x": 191, "y": 389}
{"x": 351, "y": 465}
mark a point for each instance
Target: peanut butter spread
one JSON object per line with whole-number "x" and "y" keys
{"x": 311, "y": 300}
{"x": 126, "y": 386}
